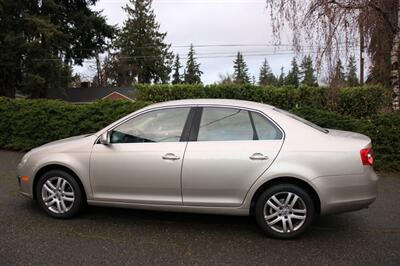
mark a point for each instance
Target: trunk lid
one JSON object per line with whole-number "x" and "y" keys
{"x": 348, "y": 134}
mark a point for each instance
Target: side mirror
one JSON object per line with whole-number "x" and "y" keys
{"x": 105, "y": 138}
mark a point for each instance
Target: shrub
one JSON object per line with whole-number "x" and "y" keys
{"x": 283, "y": 97}
{"x": 363, "y": 101}
{"x": 25, "y": 124}
{"x": 358, "y": 101}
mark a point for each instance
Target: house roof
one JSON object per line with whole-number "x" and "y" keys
{"x": 91, "y": 94}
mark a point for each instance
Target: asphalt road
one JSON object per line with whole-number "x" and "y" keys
{"x": 103, "y": 236}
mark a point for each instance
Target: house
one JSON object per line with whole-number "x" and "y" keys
{"x": 85, "y": 95}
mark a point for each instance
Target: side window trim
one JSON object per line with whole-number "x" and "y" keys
{"x": 255, "y": 135}
{"x": 187, "y": 129}
{"x": 194, "y": 131}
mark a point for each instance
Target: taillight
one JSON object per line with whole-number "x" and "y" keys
{"x": 367, "y": 156}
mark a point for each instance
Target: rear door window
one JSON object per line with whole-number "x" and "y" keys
{"x": 225, "y": 124}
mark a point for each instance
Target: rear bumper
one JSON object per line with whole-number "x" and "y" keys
{"x": 347, "y": 192}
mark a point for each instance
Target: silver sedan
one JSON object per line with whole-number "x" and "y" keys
{"x": 207, "y": 156}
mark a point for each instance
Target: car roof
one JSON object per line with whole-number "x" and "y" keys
{"x": 222, "y": 102}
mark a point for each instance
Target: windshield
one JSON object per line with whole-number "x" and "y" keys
{"x": 308, "y": 123}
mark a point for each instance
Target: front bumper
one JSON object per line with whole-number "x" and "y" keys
{"x": 347, "y": 192}
{"x": 24, "y": 188}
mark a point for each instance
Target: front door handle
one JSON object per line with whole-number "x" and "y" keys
{"x": 170, "y": 156}
{"x": 258, "y": 156}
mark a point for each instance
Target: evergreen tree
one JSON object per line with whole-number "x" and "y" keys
{"x": 307, "y": 72}
{"x": 339, "y": 75}
{"x": 266, "y": 76}
{"x": 40, "y": 40}
{"x": 140, "y": 39}
{"x": 292, "y": 78}
{"x": 241, "y": 75}
{"x": 351, "y": 75}
{"x": 281, "y": 79}
{"x": 192, "y": 73}
{"x": 176, "y": 77}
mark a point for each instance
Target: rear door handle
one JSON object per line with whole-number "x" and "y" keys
{"x": 258, "y": 156}
{"x": 170, "y": 156}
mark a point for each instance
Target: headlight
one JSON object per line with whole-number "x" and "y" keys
{"x": 26, "y": 157}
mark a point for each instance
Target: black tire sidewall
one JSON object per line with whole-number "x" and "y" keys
{"x": 262, "y": 199}
{"x": 78, "y": 202}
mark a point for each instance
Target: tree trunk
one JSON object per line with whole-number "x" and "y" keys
{"x": 99, "y": 72}
{"x": 10, "y": 92}
{"x": 395, "y": 55}
{"x": 43, "y": 90}
{"x": 10, "y": 88}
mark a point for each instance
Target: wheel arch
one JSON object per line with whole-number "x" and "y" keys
{"x": 60, "y": 167}
{"x": 291, "y": 180}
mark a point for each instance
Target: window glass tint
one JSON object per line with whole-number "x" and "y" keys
{"x": 156, "y": 126}
{"x": 223, "y": 124}
{"x": 266, "y": 130}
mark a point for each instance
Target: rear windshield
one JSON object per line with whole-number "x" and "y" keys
{"x": 308, "y": 123}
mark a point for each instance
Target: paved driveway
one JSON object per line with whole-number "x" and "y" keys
{"x": 130, "y": 237}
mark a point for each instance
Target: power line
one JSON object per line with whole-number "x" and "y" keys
{"x": 286, "y": 49}
{"x": 255, "y": 45}
{"x": 210, "y": 55}
{"x": 237, "y": 45}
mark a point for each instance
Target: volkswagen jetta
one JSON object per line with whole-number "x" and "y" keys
{"x": 207, "y": 156}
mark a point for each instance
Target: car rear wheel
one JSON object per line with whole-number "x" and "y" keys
{"x": 284, "y": 211}
{"x": 59, "y": 194}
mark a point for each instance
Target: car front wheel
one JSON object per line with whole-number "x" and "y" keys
{"x": 59, "y": 194}
{"x": 284, "y": 211}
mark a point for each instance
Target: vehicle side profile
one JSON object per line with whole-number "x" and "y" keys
{"x": 207, "y": 156}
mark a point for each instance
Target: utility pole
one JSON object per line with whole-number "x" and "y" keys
{"x": 362, "y": 49}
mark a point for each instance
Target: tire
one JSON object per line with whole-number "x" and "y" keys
{"x": 59, "y": 194}
{"x": 281, "y": 218}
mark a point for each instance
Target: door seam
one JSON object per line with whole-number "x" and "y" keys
{"x": 181, "y": 172}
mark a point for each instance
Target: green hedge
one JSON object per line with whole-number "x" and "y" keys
{"x": 364, "y": 101}
{"x": 25, "y": 124}
{"x": 359, "y": 101}
{"x": 283, "y": 97}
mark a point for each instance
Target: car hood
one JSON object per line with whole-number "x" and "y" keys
{"x": 63, "y": 144}
{"x": 348, "y": 134}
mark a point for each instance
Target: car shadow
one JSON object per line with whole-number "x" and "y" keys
{"x": 106, "y": 218}
{"x": 336, "y": 225}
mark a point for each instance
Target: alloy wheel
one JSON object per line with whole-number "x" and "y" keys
{"x": 285, "y": 212}
{"x": 58, "y": 195}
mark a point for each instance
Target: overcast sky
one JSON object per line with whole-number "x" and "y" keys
{"x": 211, "y": 22}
